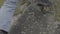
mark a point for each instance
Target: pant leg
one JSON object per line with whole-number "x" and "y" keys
{"x": 6, "y": 13}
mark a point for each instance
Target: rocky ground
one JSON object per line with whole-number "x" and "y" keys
{"x": 36, "y": 26}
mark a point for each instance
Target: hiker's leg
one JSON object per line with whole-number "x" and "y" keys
{"x": 6, "y": 13}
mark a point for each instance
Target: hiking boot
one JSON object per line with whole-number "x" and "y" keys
{"x": 3, "y": 32}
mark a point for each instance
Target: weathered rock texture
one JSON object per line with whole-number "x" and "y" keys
{"x": 37, "y": 18}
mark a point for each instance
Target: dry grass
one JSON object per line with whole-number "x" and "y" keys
{"x": 57, "y": 8}
{"x": 1, "y": 2}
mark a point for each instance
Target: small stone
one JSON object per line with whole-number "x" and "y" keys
{"x": 23, "y": 32}
{"x": 40, "y": 32}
